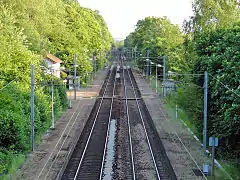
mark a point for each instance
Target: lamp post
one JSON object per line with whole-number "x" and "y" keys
{"x": 150, "y": 79}
{"x": 164, "y": 74}
{"x": 75, "y": 76}
{"x": 135, "y": 56}
{"x": 95, "y": 65}
{"x": 147, "y": 60}
{"x": 32, "y": 108}
{"x": 52, "y": 127}
{"x": 157, "y": 65}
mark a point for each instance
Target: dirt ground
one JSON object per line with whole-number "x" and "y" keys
{"x": 51, "y": 155}
{"x": 185, "y": 153}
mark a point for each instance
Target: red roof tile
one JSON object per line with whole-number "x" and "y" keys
{"x": 53, "y": 58}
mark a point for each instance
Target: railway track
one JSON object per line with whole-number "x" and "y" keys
{"x": 142, "y": 153}
{"x": 148, "y": 157}
{"x": 87, "y": 159}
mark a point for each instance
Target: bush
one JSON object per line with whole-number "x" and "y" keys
{"x": 219, "y": 54}
{"x": 190, "y": 101}
{"x": 15, "y": 117}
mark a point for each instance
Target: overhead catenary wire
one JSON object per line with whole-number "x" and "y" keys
{"x": 225, "y": 85}
{"x": 14, "y": 80}
{"x": 7, "y": 85}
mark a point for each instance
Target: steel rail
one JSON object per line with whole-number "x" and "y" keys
{"x": 90, "y": 135}
{"x": 63, "y": 143}
{"x": 129, "y": 128}
{"x": 109, "y": 120}
{"x": 140, "y": 113}
{"x": 58, "y": 141}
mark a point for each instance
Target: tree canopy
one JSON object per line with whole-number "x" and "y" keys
{"x": 63, "y": 28}
{"x": 209, "y": 42}
{"x": 161, "y": 38}
{"x": 29, "y": 29}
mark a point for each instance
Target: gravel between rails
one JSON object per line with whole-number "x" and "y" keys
{"x": 92, "y": 160}
{"x": 86, "y": 159}
{"x": 183, "y": 151}
{"x": 144, "y": 167}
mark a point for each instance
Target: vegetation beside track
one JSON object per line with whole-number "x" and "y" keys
{"x": 209, "y": 42}
{"x": 29, "y": 29}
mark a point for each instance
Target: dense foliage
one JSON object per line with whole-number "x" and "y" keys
{"x": 212, "y": 39}
{"x": 161, "y": 38}
{"x": 209, "y": 42}
{"x": 29, "y": 29}
{"x": 219, "y": 53}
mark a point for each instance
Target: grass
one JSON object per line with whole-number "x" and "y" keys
{"x": 232, "y": 168}
{"x": 219, "y": 173}
{"x": 17, "y": 160}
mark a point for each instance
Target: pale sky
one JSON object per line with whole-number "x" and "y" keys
{"x": 122, "y": 15}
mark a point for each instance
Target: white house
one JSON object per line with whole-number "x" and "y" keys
{"x": 53, "y": 65}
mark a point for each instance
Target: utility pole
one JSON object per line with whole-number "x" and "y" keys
{"x": 150, "y": 67}
{"x": 213, "y": 154}
{"x": 32, "y": 108}
{"x": 164, "y": 74}
{"x": 135, "y": 57}
{"x": 52, "y": 127}
{"x": 148, "y": 61}
{"x": 205, "y": 111}
{"x": 95, "y": 64}
{"x": 132, "y": 53}
{"x": 92, "y": 73}
{"x": 176, "y": 111}
{"x": 156, "y": 78}
{"x": 75, "y": 76}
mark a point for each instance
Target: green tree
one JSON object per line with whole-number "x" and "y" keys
{"x": 29, "y": 29}
{"x": 213, "y": 14}
{"x": 218, "y": 54}
{"x": 161, "y": 37}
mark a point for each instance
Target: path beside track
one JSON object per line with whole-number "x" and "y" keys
{"x": 184, "y": 152}
{"x": 47, "y": 161}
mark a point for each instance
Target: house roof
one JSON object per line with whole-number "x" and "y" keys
{"x": 53, "y": 58}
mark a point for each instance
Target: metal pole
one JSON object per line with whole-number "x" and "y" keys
{"x": 132, "y": 53}
{"x": 32, "y": 108}
{"x": 135, "y": 55}
{"x": 205, "y": 111}
{"x": 150, "y": 74}
{"x": 92, "y": 74}
{"x": 213, "y": 154}
{"x": 86, "y": 83}
{"x": 164, "y": 74}
{"x": 156, "y": 79}
{"x": 52, "y": 127}
{"x": 75, "y": 75}
{"x": 176, "y": 112}
{"x": 95, "y": 69}
{"x": 150, "y": 69}
{"x": 148, "y": 64}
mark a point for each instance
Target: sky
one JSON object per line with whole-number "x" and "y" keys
{"x": 121, "y": 16}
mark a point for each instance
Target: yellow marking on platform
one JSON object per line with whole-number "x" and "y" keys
{"x": 82, "y": 94}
